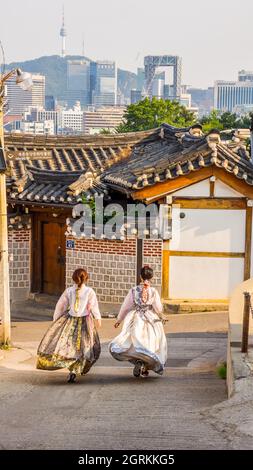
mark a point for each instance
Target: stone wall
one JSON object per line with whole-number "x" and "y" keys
{"x": 111, "y": 266}
{"x": 20, "y": 259}
{"x": 152, "y": 255}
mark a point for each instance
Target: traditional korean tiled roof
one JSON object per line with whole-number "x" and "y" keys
{"x": 169, "y": 153}
{"x": 57, "y": 170}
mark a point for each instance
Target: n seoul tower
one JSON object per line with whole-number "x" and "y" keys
{"x": 63, "y": 34}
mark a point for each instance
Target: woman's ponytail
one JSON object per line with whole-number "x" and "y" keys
{"x": 80, "y": 277}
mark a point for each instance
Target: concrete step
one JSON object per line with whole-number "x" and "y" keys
{"x": 41, "y": 307}
{"x": 30, "y": 310}
{"x": 179, "y": 306}
{"x": 44, "y": 299}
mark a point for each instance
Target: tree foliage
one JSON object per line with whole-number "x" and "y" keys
{"x": 106, "y": 131}
{"x": 226, "y": 120}
{"x": 148, "y": 114}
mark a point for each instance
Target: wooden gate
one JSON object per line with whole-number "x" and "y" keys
{"x": 48, "y": 254}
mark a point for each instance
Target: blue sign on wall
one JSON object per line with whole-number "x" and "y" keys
{"x": 70, "y": 244}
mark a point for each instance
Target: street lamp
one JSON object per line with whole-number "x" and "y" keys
{"x": 24, "y": 80}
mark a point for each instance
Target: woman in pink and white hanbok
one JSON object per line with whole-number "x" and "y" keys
{"x": 142, "y": 340}
{"x": 72, "y": 340}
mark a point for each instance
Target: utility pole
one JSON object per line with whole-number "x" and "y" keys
{"x": 5, "y": 324}
{"x": 24, "y": 80}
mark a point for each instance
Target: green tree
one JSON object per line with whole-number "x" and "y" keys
{"x": 211, "y": 121}
{"x": 148, "y": 114}
{"x": 229, "y": 120}
{"x": 106, "y": 131}
{"x": 244, "y": 122}
{"x": 226, "y": 120}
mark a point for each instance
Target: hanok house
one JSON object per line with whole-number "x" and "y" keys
{"x": 211, "y": 180}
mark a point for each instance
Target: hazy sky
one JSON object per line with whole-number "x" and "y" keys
{"x": 214, "y": 38}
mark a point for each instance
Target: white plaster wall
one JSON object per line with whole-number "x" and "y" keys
{"x": 204, "y": 278}
{"x": 210, "y": 230}
{"x": 200, "y": 189}
{"x": 223, "y": 190}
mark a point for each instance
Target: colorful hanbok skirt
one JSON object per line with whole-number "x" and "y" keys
{"x": 142, "y": 339}
{"x": 70, "y": 342}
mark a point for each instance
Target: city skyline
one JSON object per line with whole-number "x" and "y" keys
{"x": 203, "y": 38}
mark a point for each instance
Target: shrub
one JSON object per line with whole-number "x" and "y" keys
{"x": 222, "y": 370}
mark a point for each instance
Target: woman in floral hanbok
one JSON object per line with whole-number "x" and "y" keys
{"x": 72, "y": 340}
{"x": 142, "y": 340}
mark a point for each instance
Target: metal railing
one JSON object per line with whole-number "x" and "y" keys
{"x": 247, "y": 310}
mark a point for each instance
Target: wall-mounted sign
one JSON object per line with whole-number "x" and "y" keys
{"x": 30, "y": 154}
{"x": 70, "y": 244}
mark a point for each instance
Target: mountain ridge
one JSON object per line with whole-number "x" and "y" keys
{"x": 54, "y": 68}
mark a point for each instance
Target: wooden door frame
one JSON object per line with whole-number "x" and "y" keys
{"x": 207, "y": 203}
{"x": 38, "y": 218}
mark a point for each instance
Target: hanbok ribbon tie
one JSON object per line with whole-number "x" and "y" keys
{"x": 77, "y": 301}
{"x": 144, "y": 294}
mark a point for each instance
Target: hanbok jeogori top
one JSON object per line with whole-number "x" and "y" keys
{"x": 134, "y": 300}
{"x": 78, "y": 302}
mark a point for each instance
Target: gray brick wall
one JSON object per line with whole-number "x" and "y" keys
{"x": 111, "y": 275}
{"x": 155, "y": 262}
{"x": 152, "y": 255}
{"x": 19, "y": 265}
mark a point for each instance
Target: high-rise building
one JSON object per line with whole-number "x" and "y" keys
{"x": 140, "y": 78}
{"x": 186, "y": 100}
{"x": 18, "y": 100}
{"x": 245, "y": 76}
{"x": 229, "y": 95}
{"x": 103, "y": 81}
{"x": 50, "y": 103}
{"x": 39, "y": 114}
{"x": 202, "y": 98}
{"x": 108, "y": 118}
{"x": 152, "y": 82}
{"x": 158, "y": 86}
{"x": 136, "y": 96}
{"x": 168, "y": 92}
{"x": 78, "y": 82}
{"x": 153, "y": 63}
{"x": 71, "y": 120}
{"x": 37, "y": 127}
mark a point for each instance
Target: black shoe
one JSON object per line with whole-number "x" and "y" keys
{"x": 137, "y": 369}
{"x": 144, "y": 372}
{"x": 72, "y": 377}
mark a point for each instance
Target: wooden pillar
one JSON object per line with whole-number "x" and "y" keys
{"x": 248, "y": 240}
{"x": 165, "y": 270}
{"x": 212, "y": 186}
{"x": 139, "y": 258}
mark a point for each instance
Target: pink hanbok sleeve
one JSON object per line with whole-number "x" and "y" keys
{"x": 93, "y": 305}
{"x": 157, "y": 304}
{"x": 126, "y": 307}
{"x": 61, "y": 306}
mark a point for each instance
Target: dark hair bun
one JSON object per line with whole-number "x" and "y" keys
{"x": 147, "y": 273}
{"x": 80, "y": 276}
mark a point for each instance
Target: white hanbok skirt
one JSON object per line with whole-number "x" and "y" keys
{"x": 142, "y": 339}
